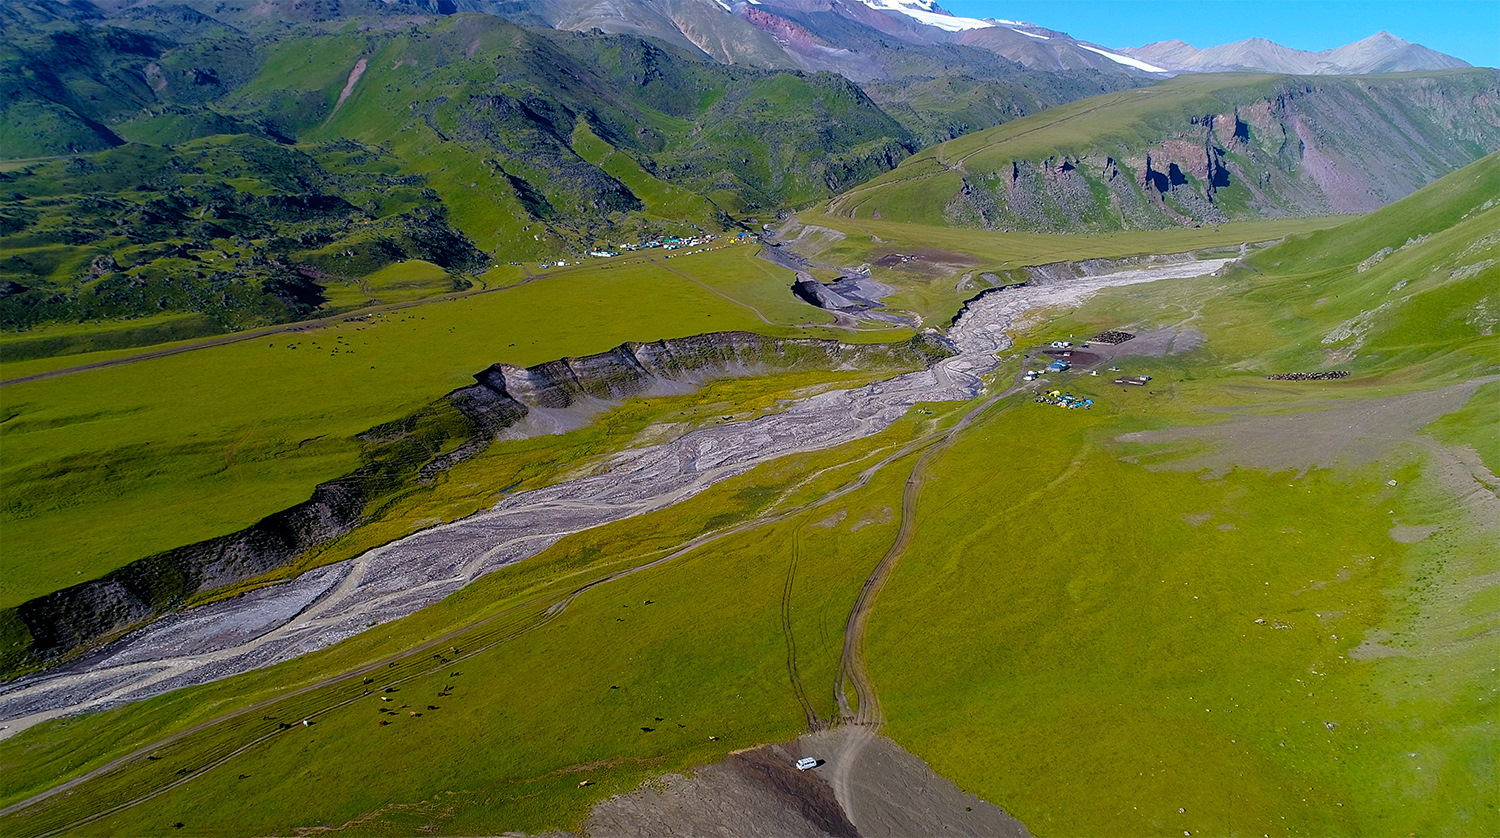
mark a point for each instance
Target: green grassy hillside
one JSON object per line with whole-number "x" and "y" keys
{"x": 264, "y": 175}
{"x": 237, "y": 229}
{"x": 1197, "y": 149}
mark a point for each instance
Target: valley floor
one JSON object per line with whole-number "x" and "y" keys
{"x": 1210, "y": 604}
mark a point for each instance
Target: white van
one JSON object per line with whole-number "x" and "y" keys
{"x": 806, "y": 763}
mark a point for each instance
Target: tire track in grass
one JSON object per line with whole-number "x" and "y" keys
{"x": 865, "y": 719}
{"x": 813, "y": 722}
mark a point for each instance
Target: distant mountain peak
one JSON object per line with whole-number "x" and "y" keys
{"x": 1379, "y": 53}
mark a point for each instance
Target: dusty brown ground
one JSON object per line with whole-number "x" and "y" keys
{"x": 1322, "y": 434}
{"x": 760, "y": 793}
{"x": 751, "y": 793}
{"x": 929, "y": 262}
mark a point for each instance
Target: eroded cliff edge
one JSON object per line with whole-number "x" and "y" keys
{"x": 505, "y": 400}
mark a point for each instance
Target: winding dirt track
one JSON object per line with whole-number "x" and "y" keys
{"x": 342, "y": 600}
{"x": 813, "y": 722}
{"x": 867, "y": 717}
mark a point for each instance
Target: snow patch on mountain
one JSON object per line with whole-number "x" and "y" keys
{"x": 927, "y": 11}
{"x": 1127, "y": 61}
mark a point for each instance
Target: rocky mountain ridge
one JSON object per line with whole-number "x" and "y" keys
{"x": 1379, "y": 53}
{"x": 862, "y": 39}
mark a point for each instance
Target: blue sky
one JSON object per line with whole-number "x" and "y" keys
{"x": 1467, "y": 29}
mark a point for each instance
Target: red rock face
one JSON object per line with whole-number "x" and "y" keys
{"x": 786, "y": 33}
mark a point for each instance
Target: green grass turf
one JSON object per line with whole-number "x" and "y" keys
{"x": 64, "y": 340}
{"x": 1082, "y": 649}
{"x": 106, "y": 466}
{"x": 1086, "y": 624}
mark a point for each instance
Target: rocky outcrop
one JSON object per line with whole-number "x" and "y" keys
{"x": 76, "y": 616}
{"x": 816, "y": 293}
{"x": 504, "y": 400}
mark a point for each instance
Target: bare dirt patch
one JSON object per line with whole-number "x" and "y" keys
{"x": 751, "y": 793}
{"x": 1348, "y": 432}
{"x": 930, "y": 262}
{"x": 833, "y": 520}
{"x": 760, "y": 793}
{"x": 1076, "y": 357}
{"x": 878, "y": 515}
{"x": 889, "y": 792}
{"x": 1411, "y": 534}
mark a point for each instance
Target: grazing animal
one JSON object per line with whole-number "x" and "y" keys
{"x": 649, "y": 729}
